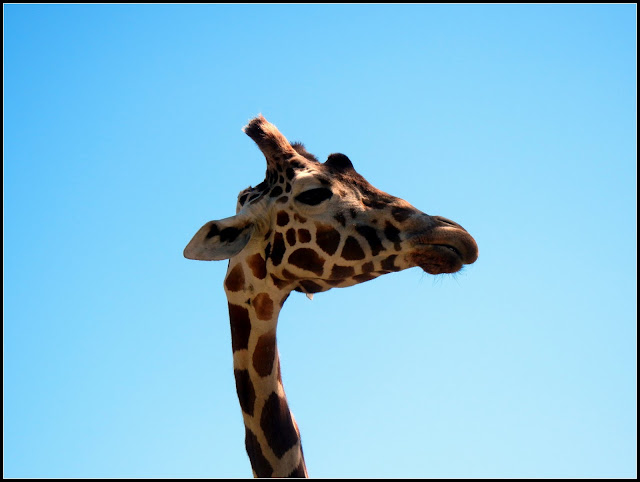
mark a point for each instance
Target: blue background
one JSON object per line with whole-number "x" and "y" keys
{"x": 122, "y": 136}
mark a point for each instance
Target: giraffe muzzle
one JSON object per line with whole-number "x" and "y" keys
{"x": 443, "y": 247}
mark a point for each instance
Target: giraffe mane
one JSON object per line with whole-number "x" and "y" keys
{"x": 300, "y": 149}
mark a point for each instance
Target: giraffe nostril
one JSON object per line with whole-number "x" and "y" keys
{"x": 447, "y": 222}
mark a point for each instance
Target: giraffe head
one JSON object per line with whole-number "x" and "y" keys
{"x": 311, "y": 226}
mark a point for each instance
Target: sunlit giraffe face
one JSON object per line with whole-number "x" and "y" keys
{"x": 316, "y": 225}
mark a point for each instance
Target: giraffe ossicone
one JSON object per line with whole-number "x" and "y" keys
{"x": 308, "y": 227}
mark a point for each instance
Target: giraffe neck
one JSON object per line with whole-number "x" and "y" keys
{"x": 272, "y": 438}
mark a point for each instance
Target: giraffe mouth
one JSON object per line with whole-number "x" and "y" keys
{"x": 451, "y": 248}
{"x": 438, "y": 256}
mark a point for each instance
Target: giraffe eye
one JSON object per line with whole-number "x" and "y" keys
{"x": 314, "y": 197}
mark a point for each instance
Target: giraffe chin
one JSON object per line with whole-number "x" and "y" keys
{"x": 437, "y": 259}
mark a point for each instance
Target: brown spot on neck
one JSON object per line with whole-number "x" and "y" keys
{"x": 259, "y": 462}
{"x": 264, "y": 354}
{"x": 245, "y": 390}
{"x": 240, "y": 327}
{"x": 258, "y": 266}
{"x": 235, "y": 279}
{"x": 263, "y": 305}
{"x": 277, "y": 425}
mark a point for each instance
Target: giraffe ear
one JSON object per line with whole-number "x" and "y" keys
{"x": 218, "y": 240}
{"x": 339, "y": 161}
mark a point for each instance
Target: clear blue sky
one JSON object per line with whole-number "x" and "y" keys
{"x": 122, "y": 136}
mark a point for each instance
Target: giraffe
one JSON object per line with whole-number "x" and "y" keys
{"x": 308, "y": 227}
